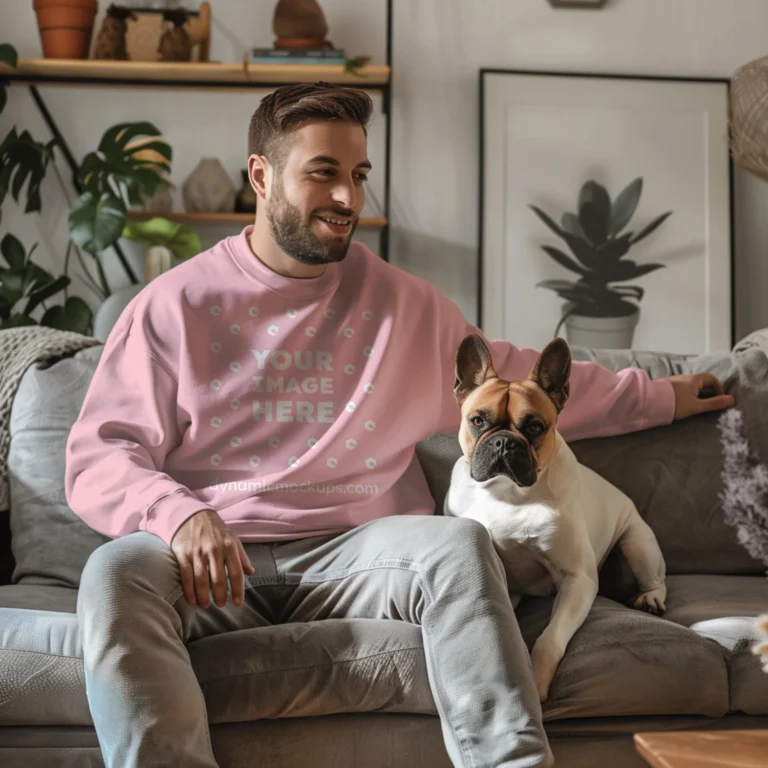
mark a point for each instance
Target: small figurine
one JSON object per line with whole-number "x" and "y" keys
{"x": 175, "y": 44}
{"x": 110, "y": 43}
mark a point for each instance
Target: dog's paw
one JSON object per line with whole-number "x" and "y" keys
{"x": 652, "y": 601}
{"x": 545, "y": 657}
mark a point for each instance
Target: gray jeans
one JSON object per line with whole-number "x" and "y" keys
{"x": 440, "y": 573}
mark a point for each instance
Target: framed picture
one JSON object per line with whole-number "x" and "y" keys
{"x": 606, "y": 211}
{"x": 577, "y": 3}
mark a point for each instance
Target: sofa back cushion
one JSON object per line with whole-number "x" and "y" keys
{"x": 49, "y": 542}
{"x": 672, "y": 473}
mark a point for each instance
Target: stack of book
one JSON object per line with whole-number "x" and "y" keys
{"x": 327, "y": 56}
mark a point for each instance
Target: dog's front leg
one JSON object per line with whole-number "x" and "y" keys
{"x": 575, "y": 596}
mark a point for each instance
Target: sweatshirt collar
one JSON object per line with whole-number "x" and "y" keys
{"x": 303, "y": 287}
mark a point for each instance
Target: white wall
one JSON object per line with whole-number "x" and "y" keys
{"x": 439, "y": 46}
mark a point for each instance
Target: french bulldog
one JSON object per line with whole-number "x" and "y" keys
{"x": 553, "y": 521}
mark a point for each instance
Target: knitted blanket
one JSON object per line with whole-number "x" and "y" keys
{"x": 20, "y": 348}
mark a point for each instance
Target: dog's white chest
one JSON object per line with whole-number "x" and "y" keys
{"x": 527, "y": 525}
{"x": 524, "y": 537}
{"x": 523, "y": 534}
{"x": 556, "y": 527}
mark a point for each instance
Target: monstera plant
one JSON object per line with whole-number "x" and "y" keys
{"x": 23, "y": 284}
{"x": 131, "y": 160}
{"x": 599, "y": 242}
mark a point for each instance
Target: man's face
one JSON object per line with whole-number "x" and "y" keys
{"x": 314, "y": 204}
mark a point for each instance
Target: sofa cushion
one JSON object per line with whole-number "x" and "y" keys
{"x": 289, "y": 670}
{"x": 41, "y": 665}
{"x": 723, "y": 609}
{"x": 620, "y": 662}
{"x": 49, "y": 542}
{"x": 673, "y": 473}
{"x": 38, "y": 598}
{"x": 623, "y": 662}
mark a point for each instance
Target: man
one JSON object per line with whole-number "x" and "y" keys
{"x": 260, "y": 404}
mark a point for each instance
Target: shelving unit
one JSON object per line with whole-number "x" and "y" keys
{"x": 147, "y": 74}
{"x": 206, "y": 76}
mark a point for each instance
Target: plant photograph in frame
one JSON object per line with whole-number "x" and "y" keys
{"x": 606, "y": 211}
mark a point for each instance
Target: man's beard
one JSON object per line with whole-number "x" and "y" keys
{"x": 295, "y": 236}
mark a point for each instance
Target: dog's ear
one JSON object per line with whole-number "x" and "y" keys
{"x": 473, "y": 366}
{"x": 553, "y": 370}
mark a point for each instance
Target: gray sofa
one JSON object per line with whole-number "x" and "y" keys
{"x": 355, "y": 693}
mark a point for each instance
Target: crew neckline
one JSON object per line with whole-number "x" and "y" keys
{"x": 247, "y": 260}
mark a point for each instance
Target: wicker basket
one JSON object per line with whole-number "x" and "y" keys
{"x": 143, "y": 35}
{"x": 749, "y": 117}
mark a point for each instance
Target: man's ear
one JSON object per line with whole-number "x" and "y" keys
{"x": 553, "y": 370}
{"x": 473, "y": 366}
{"x": 260, "y": 175}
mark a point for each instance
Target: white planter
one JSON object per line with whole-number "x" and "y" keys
{"x": 602, "y": 332}
{"x": 159, "y": 259}
{"x": 111, "y": 308}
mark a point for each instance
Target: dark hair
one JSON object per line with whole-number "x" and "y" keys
{"x": 287, "y": 107}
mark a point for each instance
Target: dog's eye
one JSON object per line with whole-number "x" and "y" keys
{"x": 477, "y": 421}
{"x": 534, "y": 429}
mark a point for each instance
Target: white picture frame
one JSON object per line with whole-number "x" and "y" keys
{"x": 542, "y": 137}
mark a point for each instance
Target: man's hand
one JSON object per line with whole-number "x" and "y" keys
{"x": 687, "y": 389}
{"x": 204, "y": 545}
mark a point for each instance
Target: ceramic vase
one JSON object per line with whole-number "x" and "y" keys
{"x": 159, "y": 259}
{"x": 209, "y": 189}
{"x": 299, "y": 24}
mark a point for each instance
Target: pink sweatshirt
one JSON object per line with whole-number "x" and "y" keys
{"x": 292, "y": 406}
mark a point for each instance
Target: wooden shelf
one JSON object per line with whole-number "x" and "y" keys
{"x": 366, "y": 222}
{"x": 186, "y": 74}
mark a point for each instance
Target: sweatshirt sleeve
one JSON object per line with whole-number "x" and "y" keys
{"x": 601, "y": 402}
{"x": 116, "y": 449}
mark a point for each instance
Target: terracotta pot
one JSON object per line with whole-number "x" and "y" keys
{"x": 65, "y": 27}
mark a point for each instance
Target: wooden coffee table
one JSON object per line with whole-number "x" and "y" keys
{"x": 704, "y": 749}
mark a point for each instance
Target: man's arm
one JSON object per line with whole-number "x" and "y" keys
{"x": 117, "y": 447}
{"x": 114, "y": 479}
{"x": 601, "y": 402}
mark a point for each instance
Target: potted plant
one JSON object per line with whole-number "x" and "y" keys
{"x": 597, "y": 312}
{"x": 25, "y": 287}
{"x": 168, "y": 242}
{"x": 130, "y": 161}
{"x": 66, "y": 27}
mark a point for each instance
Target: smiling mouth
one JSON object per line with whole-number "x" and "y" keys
{"x": 337, "y": 224}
